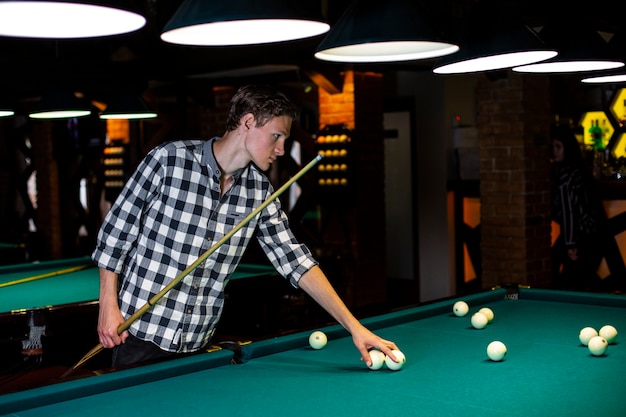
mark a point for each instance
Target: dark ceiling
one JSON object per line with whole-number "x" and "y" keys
{"x": 140, "y": 59}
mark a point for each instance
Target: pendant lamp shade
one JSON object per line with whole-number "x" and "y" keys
{"x": 5, "y": 109}
{"x": 384, "y": 31}
{"x": 605, "y": 79}
{"x": 66, "y": 19}
{"x": 580, "y": 48}
{"x": 493, "y": 39}
{"x": 127, "y": 106}
{"x": 60, "y": 103}
{"x": 617, "y": 45}
{"x": 242, "y": 22}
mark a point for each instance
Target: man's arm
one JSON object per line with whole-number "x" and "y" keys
{"x": 109, "y": 316}
{"x": 315, "y": 283}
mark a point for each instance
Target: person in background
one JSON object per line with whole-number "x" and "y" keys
{"x": 184, "y": 196}
{"x": 579, "y": 212}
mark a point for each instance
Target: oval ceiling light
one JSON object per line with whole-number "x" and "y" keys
{"x": 605, "y": 79}
{"x": 241, "y": 22}
{"x": 617, "y": 46}
{"x": 493, "y": 39}
{"x": 128, "y": 106}
{"x": 5, "y": 109}
{"x": 60, "y": 103}
{"x": 578, "y": 65}
{"x": 580, "y": 47}
{"x": 65, "y": 20}
{"x": 394, "y": 30}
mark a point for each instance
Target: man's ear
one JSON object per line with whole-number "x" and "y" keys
{"x": 247, "y": 121}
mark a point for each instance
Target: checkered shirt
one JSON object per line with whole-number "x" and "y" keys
{"x": 167, "y": 215}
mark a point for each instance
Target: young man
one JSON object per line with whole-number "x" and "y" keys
{"x": 183, "y": 197}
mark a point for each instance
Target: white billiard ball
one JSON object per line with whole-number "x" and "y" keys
{"x": 479, "y": 320}
{"x": 460, "y": 308}
{"x": 378, "y": 359}
{"x": 597, "y": 345}
{"x": 395, "y": 366}
{"x": 488, "y": 313}
{"x": 496, "y": 350}
{"x": 587, "y": 333}
{"x": 609, "y": 333}
{"x": 318, "y": 339}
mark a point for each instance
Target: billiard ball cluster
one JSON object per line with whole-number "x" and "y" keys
{"x": 318, "y": 340}
{"x": 597, "y": 341}
{"x": 379, "y": 359}
{"x": 496, "y": 350}
{"x": 479, "y": 320}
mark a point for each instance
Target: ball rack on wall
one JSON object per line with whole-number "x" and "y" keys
{"x": 335, "y": 171}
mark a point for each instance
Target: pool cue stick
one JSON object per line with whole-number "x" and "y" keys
{"x": 124, "y": 326}
{"x": 46, "y": 275}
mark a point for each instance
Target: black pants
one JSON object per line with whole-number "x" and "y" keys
{"x": 135, "y": 350}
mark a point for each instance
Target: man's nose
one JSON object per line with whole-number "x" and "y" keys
{"x": 280, "y": 148}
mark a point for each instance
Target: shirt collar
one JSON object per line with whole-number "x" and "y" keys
{"x": 208, "y": 159}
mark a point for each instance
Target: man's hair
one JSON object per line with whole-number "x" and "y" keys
{"x": 263, "y": 101}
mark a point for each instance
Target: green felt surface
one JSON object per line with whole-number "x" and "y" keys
{"x": 545, "y": 373}
{"x": 65, "y": 288}
{"x": 69, "y": 288}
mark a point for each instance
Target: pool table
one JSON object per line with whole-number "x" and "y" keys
{"x": 71, "y": 282}
{"x": 546, "y": 372}
{"x": 64, "y": 298}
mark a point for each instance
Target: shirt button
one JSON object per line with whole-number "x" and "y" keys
{"x": 188, "y": 311}
{"x": 209, "y": 238}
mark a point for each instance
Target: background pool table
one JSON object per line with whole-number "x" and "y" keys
{"x": 545, "y": 373}
{"x": 69, "y": 285}
{"x": 66, "y": 301}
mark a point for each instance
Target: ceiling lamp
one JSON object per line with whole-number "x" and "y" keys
{"x": 385, "y": 31}
{"x": 493, "y": 39}
{"x": 65, "y": 19}
{"x": 5, "y": 109}
{"x": 617, "y": 44}
{"x": 241, "y": 22}
{"x": 580, "y": 47}
{"x": 127, "y": 106}
{"x": 605, "y": 79}
{"x": 60, "y": 104}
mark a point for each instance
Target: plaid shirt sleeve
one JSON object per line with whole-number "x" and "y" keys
{"x": 290, "y": 258}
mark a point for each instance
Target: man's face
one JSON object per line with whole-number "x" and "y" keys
{"x": 266, "y": 143}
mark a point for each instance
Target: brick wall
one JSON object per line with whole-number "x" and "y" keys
{"x": 513, "y": 120}
{"x": 335, "y": 109}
